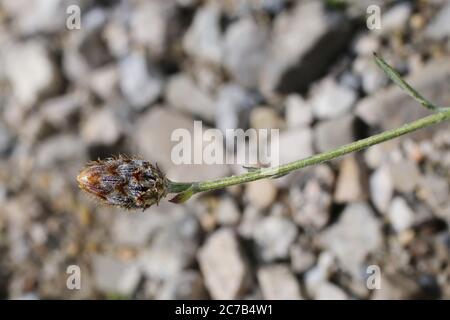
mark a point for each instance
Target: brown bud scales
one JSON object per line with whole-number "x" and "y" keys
{"x": 124, "y": 181}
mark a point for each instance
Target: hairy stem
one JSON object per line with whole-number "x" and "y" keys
{"x": 440, "y": 114}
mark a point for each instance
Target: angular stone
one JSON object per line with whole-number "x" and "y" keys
{"x": 351, "y": 185}
{"x": 183, "y": 94}
{"x": 261, "y": 193}
{"x": 353, "y": 237}
{"x": 223, "y": 265}
{"x": 274, "y": 236}
{"x": 244, "y": 51}
{"x": 278, "y": 283}
{"x": 381, "y": 188}
{"x": 298, "y": 112}
{"x": 334, "y": 133}
{"x": 297, "y": 55}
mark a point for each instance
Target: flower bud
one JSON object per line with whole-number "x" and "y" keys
{"x": 125, "y": 182}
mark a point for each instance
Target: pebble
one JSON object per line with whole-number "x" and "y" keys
{"x": 439, "y": 28}
{"x": 330, "y": 99}
{"x": 405, "y": 175}
{"x": 223, "y": 265}
{"x": 351, "y": 185}
{"x": 261, "y": 193}
{"x": 114, "y": 276}
{"x": 183, "y": 94}
{"x": 265, "y": 118}
{"x": 330, "y": 291}
{"x": 359, "y": 241}
{"x": 204, "y": 40}
{"x": 139, "y": 82}
{"x": 381, "y": 188}
{"x": 330, "y": 134}
{"x": 245, "y": 51}
{"x": 302, "y": 258}
{"x": 274, "y": 236}
{"x": 32, "y": 59}
{"x": 102, "y": 128}
{"x": 298, "y": 111}
{"x": 301, "y": 138}
{"x": 187, "y": 285}
{"x": 227, "y": 212}
{"x": 277, "y": 282}
{"x": 400, "y": 214}
{"x": 295, "y": 56}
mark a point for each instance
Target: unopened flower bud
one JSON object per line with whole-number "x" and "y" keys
{"x": 125, "y": 182}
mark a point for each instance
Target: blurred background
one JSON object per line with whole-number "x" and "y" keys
{"x": 137, "y": 70}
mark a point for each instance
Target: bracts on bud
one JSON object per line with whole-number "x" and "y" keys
{"x": 125, "y": 182}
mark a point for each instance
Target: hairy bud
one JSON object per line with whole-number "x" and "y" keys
{"x": 125, "y": 182}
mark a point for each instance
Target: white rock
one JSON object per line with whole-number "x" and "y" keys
{"x": 330, "y": 134}
{"x": 261, "y": 193}
{"x": 278, "y": 283}
{"x": 223, "y": 266}
{"x": 400, "y": 214}
{"x": 203, "y": 40}
{"x": 381, "y": 188}
{"x": 298, "y": 111}
{"x": 183, "y": 94}
{"x": 139, "y": 83}
{"x": 330, "y": 99}
{"x": 102, "y": 127}
{"x": 244, "y": 51}
{"x": 439, "y": 27}
{"x": 329, "y": 291}
{"x": 274, "y": 236}
{"x": 350, "y": 185}
{"x": 353, "y": 237}
{"x": 301, "y": 138}
{"x": 30, "y": 70}
{"x": 227, "y": 212}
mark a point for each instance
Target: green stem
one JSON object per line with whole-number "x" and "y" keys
{"x": 440, "y": 114}
{"x": 322, "y": 157}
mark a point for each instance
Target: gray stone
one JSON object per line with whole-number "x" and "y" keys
{"x": 187, "y": 285}
{"x": 115, "y": 276}
{"x": 334, "y": 133}
{"x": 439, "y": 27}
{"x": 372, "y": 77}
{"x": 244, "y": 51}
{"x": 60, "y": 111}
{"x": 330, "y": 291}
{"x": 102, "y": 128}
{"x": 301, "y": 258}
{"x": 396, "y": 18}
{"x": 278, "y": 283}
{"x": 39, "y": 16}
{"x": 265, "y": 118}
{"x": 398, "y": 286}
{"x": 172, "y": 249}
{"x": 232, "y": 107}
{"x": 353, "y": 237}
{"x": 261, "y": 193}
{"x": 59, "y": 149}
{"x": 405, "y": 175}
{"x": 351, "y": 185}
{"x": 301, "y": 138}
{"x": 183, "y": 94}
{"x": 250, "y": 219}
{"x": 6, "y": 139}
{"x": 331, "y": 99}
{"x": 140, "y": 83}
{"x": 223, "y": 265}
{"x": 311, "y": 205}
{"x": 298, "y": 111}
{"x": 296, "y": 55}
{"x": 203, "y": 39}
{"x": 381, "y": 188}
{"x": 400, "y": 214}
{"x": 274, "y": 236}
{"x": 150, "y": 25}
{"x": 104, "y": 81}
{"x": 30, "y": 70}
{"x": 227, "y": 212}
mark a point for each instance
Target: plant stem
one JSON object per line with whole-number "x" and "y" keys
{"x": 186, "y": 190}
{"x": 322, "y": 157}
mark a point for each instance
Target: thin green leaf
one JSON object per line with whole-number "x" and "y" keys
{"x": 394, "y": 76}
